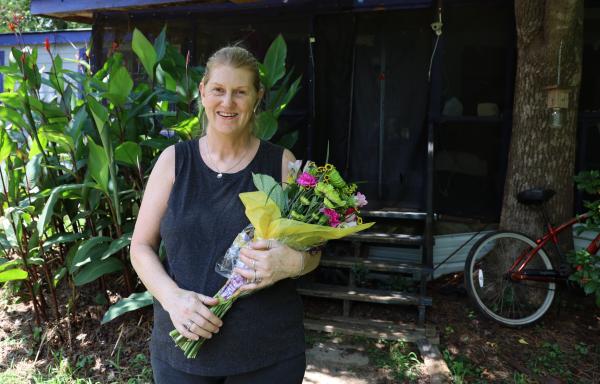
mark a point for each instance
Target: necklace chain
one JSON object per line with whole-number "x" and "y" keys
{"x": 219, "y": 173}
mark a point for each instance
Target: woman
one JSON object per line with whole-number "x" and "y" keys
{"x": 191, "y": 203}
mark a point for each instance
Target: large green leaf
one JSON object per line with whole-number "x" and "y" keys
{"x": 129, "y": 153}
{"x": 95, "y": 269}
{"x": 119, "y": 86}
{"x": 117, "y": 245}
{"x": 8, "y": 114}
{"x": 12, "y": 99}
{"x": 84, "y": 252}
{"x": 62, "y": 238}
{"x": 6, "y": 145}
{"x": 274, "y": 64}
{"x": 55, "y": 133}
{"x": 33, "y": 169}
{"x": 13, "y": 274}
{"x": 266, "y": 125}
{"x": 144, "y": 51}
{"x": 9, "y": 264}
{"x": 58, "y": 276}
{"x": 271, "y": 188}
{"x": 9, "y": 232}
{"x": 163, "y": 77}
{"x": 160, "y": 44}
{"x": 186, "y": 128}
{"x": 134, "y": 301}
{"x": 99, "y": 113}
{"x": 289, "y": 95}
{"x": 48, "y": 210}
{"x": 98, "y": 164}
{"x": 288, "y": 140}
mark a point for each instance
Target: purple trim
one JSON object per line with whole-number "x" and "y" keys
{"x": 38, "y": 38}
{"x": 49, "y": 7}
{"x": 59, "y": 7}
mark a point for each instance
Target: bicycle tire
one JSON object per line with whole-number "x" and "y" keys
{"x": 488, "y": 285}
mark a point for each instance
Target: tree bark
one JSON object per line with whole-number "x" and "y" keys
{"x": 539, "y": 155}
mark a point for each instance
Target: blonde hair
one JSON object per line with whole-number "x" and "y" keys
{"x": 235, "y": 57}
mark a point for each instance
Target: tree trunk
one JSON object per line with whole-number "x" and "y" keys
{"x": 539, "y": 155}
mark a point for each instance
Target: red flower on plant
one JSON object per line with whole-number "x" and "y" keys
{"x": 12, "y": 27}
{"x": 334, "y": 217}
{"x": 47, "y": 44}
{"x": 306, "y": 180}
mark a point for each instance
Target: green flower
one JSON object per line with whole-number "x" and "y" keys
{"x": 328, "y": 203}
{"x": 296, "y": 216}
{"x": 304, "y": 200}
{"x": 336, "y": 179}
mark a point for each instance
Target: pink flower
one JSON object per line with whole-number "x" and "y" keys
{"x": 361, "y": 200}
{"x": 334, "y": 217}
{"x": 306, "y": 180}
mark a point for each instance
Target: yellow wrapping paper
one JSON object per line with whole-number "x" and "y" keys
{"x": 266, "y": 218}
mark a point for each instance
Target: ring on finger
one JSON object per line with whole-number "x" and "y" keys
{"x": 255, "y": 280}
{"x": 254, "y": 264}
{"x": 189, "y": 324}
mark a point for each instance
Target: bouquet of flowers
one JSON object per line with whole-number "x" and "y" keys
{"x": 317, "y": 205}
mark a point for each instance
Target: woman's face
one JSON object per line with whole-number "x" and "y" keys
{"x": 229, "y": 98}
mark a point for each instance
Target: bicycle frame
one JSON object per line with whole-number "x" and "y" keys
{"x": 518, "y": 272}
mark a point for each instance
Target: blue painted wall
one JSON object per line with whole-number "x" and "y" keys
{"x": 37, "y": 38}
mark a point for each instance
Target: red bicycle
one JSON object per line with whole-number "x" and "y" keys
{"x": 510, "y": 277}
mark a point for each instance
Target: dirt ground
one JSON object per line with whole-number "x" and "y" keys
{"x": 563, "y": 348}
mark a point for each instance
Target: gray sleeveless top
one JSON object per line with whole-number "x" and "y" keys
{"x": 203, "y": 217}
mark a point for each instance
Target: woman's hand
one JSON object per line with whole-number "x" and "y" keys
{"x": 191, "y": 316}
{"x": 268, "y": 262}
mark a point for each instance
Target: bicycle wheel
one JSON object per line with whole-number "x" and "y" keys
{"x": 496, "y": 295}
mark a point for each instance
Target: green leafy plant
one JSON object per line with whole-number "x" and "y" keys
{"x": 73, "y": 166}
{"x": 587, "y": 266}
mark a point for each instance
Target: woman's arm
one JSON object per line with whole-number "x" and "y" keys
{"x": 183, "y": 306}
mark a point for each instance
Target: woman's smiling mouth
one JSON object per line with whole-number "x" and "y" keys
{"x": 227, "y": 115}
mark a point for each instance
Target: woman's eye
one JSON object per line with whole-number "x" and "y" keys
{"x": 241, "y": 93}
{"x": 218, "y": 90}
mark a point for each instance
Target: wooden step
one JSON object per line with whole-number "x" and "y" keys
{"x": 361, "y": 294}
{"x": 375, "y": 329}
{"x": 373, "y": 265}
{"x": 386, "y": 238}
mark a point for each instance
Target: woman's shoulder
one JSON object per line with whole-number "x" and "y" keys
{"x": 274, "y": 149}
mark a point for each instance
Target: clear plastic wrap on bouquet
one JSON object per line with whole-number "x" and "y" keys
{"x": 231, "y": 259}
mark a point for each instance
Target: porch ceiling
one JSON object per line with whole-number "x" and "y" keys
{"x": 83, "y": 10}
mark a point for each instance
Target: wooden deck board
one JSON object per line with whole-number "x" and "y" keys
{"x": 371, "y": 330}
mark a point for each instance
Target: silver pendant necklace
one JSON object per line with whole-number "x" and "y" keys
{"x": 219, "y": 173}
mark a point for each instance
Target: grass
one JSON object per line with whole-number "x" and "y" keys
{"x": 62, "y": 370}
{"x": 462, "y": 369}
{"x": 396, "y": 356}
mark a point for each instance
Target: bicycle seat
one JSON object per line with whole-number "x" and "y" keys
{"x": 535, "y": 196}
